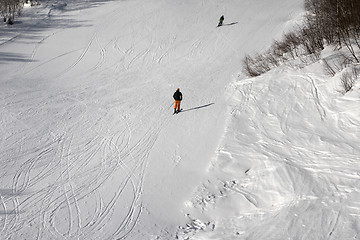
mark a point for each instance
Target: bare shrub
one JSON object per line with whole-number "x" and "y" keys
{"x": 342, "y": 62}
{"x": 279, "y": 49}
{"x": 311, "y": 39}
{"x": 301, "y": 44}
{"x": 10, "y": 8}
{"x": 292, "y": 42}
{"x": 259, "y": 64}
{"x": 310, "y": 58}
{"x": 329, "y": 70}
{"x": 337, "y": 64}
{"x": 347, "y": 81}
{"x": 262, "y": 63}
{"x": 355, "y": 71}
{"x": 248, "y": 66}
{"x": 271, "y": 59}
{"x": 328, "y": 21}
{"x": 337, "y": 21}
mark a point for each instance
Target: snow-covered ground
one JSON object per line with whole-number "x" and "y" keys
{"x": 89, "y": 147}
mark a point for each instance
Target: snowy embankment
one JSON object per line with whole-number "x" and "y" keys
{"x": 296, "y": 174}
{"x": 90, "y": 148}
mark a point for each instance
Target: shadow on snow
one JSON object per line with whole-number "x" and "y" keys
{"x": 229, "y": 24}
{"x": 195, "y": 108}
{"x": 33, "y": 28}
{"x": 11, "y": 57}
{"x": 9, "y": 192}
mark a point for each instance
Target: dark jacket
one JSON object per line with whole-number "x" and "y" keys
{"x": 177, "y": 95}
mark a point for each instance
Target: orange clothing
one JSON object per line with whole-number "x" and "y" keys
{"x": 177, "y": 105}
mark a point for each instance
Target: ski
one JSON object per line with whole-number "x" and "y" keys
{"x": 177, "y": 111}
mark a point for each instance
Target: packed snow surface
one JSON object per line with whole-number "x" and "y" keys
{"x": 90, "y": 149}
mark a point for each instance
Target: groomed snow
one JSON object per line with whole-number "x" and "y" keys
{"x": 90, "y": 148}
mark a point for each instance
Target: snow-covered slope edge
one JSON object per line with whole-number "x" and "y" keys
{"x": 288, "y": 165}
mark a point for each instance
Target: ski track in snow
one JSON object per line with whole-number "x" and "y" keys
{"x": 64, "y": 195}
{"x": 70, "y": 160}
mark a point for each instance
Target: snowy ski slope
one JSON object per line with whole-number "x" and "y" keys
{"x": 90, "y": 149}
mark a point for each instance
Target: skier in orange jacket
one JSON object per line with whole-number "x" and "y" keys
{"x": 178, "y": 97}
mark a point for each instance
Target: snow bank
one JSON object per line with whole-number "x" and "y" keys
{"x": 288, "y": 163}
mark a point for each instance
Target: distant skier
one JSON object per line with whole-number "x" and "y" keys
{"x": 178, "y": 97}
{"x": 221, "y": 20}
